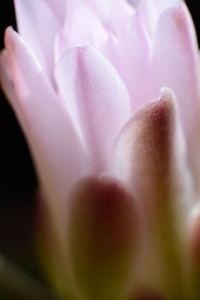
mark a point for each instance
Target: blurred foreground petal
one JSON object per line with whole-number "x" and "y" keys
{"x": 103, "y": 239}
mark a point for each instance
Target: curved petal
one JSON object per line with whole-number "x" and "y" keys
{"x": 150, "y": 156}
{"x": 103, "y": 239}
{"x": 150, "y": 11}
{"x": 59, "y": 9}
{"x": 39, "y": 34}
{"x": 113, "y": 14}
{"x": 154, "y": 133}
{"x": 96, "y": 99}
{"x": 130, "y": 55}
{"x": 175, "y": 63}
{"x": 57, "y": 152}
{"x": 82, "y": 27}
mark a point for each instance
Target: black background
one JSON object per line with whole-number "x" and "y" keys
{"x": 17, "y": 177}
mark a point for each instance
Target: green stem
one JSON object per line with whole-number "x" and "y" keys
{"x": 16, "y": 283}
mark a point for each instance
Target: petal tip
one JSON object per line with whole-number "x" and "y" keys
{"x": 8, "y": 35}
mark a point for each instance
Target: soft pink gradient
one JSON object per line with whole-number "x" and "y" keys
{"x": 149, "y": 46}
{"x": 80, "y": 76}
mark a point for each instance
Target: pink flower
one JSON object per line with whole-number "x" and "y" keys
{"x": 118, "y": 169}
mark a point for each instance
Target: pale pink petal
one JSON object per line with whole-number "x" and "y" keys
{"x": 130, "y": 55}
{"x": 57, "y": 152}
{"x": 113, "y": 14}
{"x": 96, "y": 98}
{"x": 59, "y": 9}
{"x": 38, "y": 24}
{"x": 6, "y": 81}
{"x": 150, "y": 11}
{"x": 175, "y": 63}
{"x": 149, "y": 156}
{"x": 82, "y": 27}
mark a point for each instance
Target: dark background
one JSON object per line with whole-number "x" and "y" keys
{"x": 17, "y": 177}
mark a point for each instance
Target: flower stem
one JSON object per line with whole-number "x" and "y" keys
{"x": 15, "y": 283}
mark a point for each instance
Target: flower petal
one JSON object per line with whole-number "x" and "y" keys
{"x": 150, "y": 11}
{"x": 96, "y": 99}
{"x": 150, "y": 150}
{"x": 103, "y": 239}
{"x": 82, "y": 27}
{"x": 130, "y": 55}
{"x": 113, "y": 14}
{"x": 45, "y": 122}
{"x": 59, "y": 9}
{"x": 175, "y": 63}
{"x": 6, "y": 81}
{"x": 39, "y": 34}
{"x": 150, "y": 156}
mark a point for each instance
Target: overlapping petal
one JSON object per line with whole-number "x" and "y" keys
{"x": 82, "y": 27}
{"x": 175, "y": 63}
{"x": 37, "y": 24}
{"x": 59, "y": 9}
{"x": 149, "y": 156}
{"x": 56, "y": 149}
{"x": 103, "y": 239}
{"x": 90, "y": 22}
{"x": 151, "y": 10}
{"x": 96, "y": 99}
{"x": 130, "y": 55}
{"x": 113, "y": 14}
{"x": 106, "y": 59}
